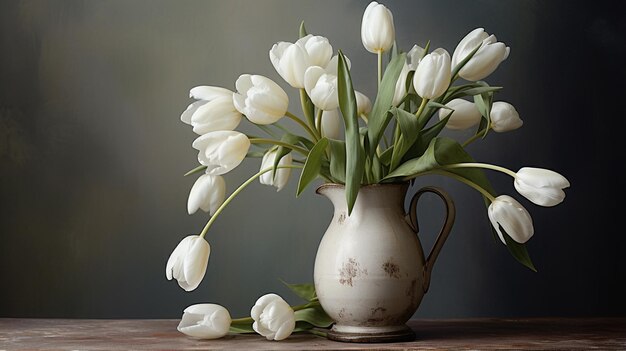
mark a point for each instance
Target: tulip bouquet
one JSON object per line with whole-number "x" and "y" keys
{"x": 342, "y": 137}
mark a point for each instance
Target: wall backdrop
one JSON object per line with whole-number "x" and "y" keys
{"x": 92, "y": 155}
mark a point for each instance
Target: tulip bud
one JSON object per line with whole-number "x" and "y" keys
{"x": 260, "y": 99}
{"x": 506, "y": 212}
{"x": 188, "y": 262}
{"x": 273, "y": 317}
{"x": 221, "y": 151}
{"x": 205, "y": 321}
{"x": 541, "y": 186}
{"x": 432, "y": 76}
{"x": 292, "y": 60}
{"x": 214, "y": 111}
{"x": 465, "y": 114}
{"x": 331, "y": 124}
{"x": 281, "y": 177}
{"x": 414, "y": 56}
{"x": 207, "y": 193}
{"x": 485, "y": 60}
{"x": 377, "y": 29}
{"x": 363, "y": 103}
{"x": 504, "y": 117}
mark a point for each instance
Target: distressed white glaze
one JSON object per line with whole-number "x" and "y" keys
{"x": 369, "y": 270}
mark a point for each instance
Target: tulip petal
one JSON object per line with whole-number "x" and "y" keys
{"x": 191, "y": 109}
{"x": 195, "y": 265}
{"x": 209, "y": 93}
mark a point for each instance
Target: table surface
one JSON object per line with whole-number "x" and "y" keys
{"x": 461, "y": 334}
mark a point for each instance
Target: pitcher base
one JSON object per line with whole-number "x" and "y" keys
{"x": 402, "y": 333}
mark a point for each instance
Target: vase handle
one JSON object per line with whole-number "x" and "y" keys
{"x": 443, "y": 234}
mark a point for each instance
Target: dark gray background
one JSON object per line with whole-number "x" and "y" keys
{"x": 92, "y": 154}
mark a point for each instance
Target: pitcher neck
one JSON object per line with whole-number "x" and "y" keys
{"x": 370, "y": 196}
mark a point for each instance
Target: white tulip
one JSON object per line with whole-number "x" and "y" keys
{"x": 363, "y": 103}
{"x": 320, "y": 84}
{"x": 413, "y": 58}
{"x": 465, "y": 114}
{"x": 432, "y": 76}
{"x": 221, "y": 151}
{"x": 281, "y": 177}
{"x": 504, "y": 117}
{"x": 273, "y": 317}
{"x": 205, "y": 321}
{"x": 485, "y": 60}
{"x": 541, "y": 186}
{"x": 292, "y": 60}
{"x": 377, "y": 29}
{"x": 213, "y": 111}
{"x": 207, "y": 193}
{"x": 331, "y": 124}
{"x": 505, "y": 211}
{"x": 260, "y": 99}
{"x": 321, "y": 88}
{"x": 188, "y": 262}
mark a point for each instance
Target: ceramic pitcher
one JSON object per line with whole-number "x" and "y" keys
{"x": 370, "y": 270}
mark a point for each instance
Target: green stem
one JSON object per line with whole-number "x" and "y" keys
{"x": 475, "y": 137}
{"x": 481, "y": 165}
{"x": 235, "y": 193}
{"x": 279, "y": 143}
{"x": 306, "y": 102}
{"x": 421, "y": 108}
{"x": 480, "y": 189}
{"x": 303, "y": 124}
{"x": 380, "y": 67}
{"x": 318, "y": 122}
{"x": 318, "y": 332}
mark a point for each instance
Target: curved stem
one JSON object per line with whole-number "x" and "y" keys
{"x": 421, "y": 108}
{"x": 303, "y": 124}
{"x": 235, "y": 193}
{"x": 475, "y": 137}
{"x": 477, "y": 187}
{"x": 481, "y": 165}
{"x": 318, "y": 122}
{"x": 279, "y": 143}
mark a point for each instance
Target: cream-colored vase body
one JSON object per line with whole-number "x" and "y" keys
{"x": 370, "y": 270}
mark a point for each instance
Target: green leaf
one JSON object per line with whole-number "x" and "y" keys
{"x": 307, "y": 107}
{"x": 434, "y": 104}
{"x": 255, "y": 154}
{"x": 305, "y": 291}
{"x": 355, "y": 159}
{"x": 315, "y": 316}
{"x": 426, "y": 136}
{"x": 197, "y": 170}
{"x": 385, "y": 157}
{"x": 302, "y": 32}
{"x": 410, "y": 129}
{"x": 312, "y": 165}
{"x": 338, "y": 160}
{"x": 379, "y": 117}
{"x": 518, "y": 250}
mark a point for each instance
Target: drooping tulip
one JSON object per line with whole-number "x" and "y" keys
{"x": 432, "y": 76}
{"x": 465, "y": 114}
{"x": 273, "y": 317}
{"x": 504, "y": 117}
{"x": 205, "y": 321}
{"x": 213, "y": 111}
{"x": 292, "y": 60}
{"x": 377, "y": 30}
{"x": 485, "y": 60}
{"x": 221, "y": 151}
{"x": 505, "y": 211}
{"x": 541, "y": 186}
{"x": 331, "y": 124}
{"x": 207, "y": 193}
{"x": 188, "y": 262}
{"x": 260, "y": 99}
{"x": 279, "y": 178}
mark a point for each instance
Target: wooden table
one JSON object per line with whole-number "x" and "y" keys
{"x": 465, "y": 334}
